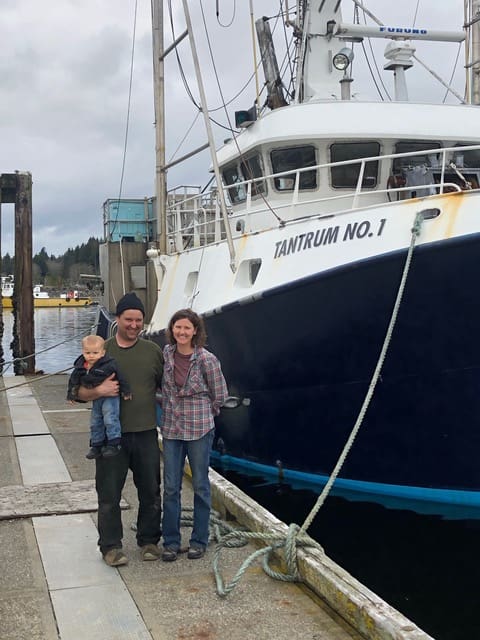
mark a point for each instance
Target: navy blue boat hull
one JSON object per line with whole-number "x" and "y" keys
{"x": 303, "y": 356}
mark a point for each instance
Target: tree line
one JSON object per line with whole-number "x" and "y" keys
{"x": 62, "y": 271}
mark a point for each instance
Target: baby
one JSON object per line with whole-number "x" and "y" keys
{"x": 90, "y": 369}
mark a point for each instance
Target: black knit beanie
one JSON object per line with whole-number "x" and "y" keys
{"x": 129, "y": 301}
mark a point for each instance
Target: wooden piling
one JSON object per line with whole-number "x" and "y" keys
{"x": 2, "y": 326}
{"x": 17, "y": 188}
{"x": 23, "y": 303}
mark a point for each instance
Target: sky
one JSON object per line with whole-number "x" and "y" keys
{"x": 65, "y": 70}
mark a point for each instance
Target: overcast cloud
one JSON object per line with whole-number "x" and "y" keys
{"x": 64, "y": 78}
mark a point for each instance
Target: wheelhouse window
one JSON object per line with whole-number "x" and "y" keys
{"x": 467, "y": 165}
{"x": 291, "y": 159}
{"x": 231, "y": 176}
{"x": 407, "y": 146}
{"x": 467, "y": 158}
{"x": 412, "y": 172}
{"x": 252, "y": 169}
{"x": 346, "y": 176}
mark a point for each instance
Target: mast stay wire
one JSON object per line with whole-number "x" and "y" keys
{"x": 251, "y": 177}
{"x": 447, "y": 91}
{"x": 372, "y": 52}
{"x": 187, "y": 87}
{"x": 224, "y": 103}
{"x": 359, "y": 3}
{"x": 185, "y": 82}
{"x": 39, "y": 378}
{"x": 125, "y": 145}
{"x": 449, "y": 83}
{"x": 127, "y": 122}
{"x": 85, "y": 332}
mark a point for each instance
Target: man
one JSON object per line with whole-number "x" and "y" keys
{"x": 141, "y": 363}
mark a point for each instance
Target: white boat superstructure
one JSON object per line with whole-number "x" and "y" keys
{"x": 277, "y": 239}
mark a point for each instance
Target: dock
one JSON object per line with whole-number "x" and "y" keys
{"x": 54, "y": 584}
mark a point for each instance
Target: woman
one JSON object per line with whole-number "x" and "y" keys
{"x": 193, "y": 390}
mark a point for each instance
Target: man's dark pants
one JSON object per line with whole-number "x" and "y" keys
{"x": 141, "y": 454}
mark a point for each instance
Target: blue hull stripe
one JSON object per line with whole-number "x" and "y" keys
{"x": 447, "y": 502}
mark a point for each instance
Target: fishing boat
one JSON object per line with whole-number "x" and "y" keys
{"x": 335, "y": 264}
{"x": 41, "y": 298}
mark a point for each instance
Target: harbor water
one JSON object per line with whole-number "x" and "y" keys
{"x": 424, "y": 566}
{"x": 58, "y": 334}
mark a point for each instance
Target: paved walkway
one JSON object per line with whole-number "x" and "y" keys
{"x": 53, "y": 581}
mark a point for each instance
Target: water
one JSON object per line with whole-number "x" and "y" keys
{"x": 58, "y": 333}
{"x": 424, "y": 566}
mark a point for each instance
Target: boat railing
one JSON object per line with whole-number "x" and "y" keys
{"x": 195, "y": 219}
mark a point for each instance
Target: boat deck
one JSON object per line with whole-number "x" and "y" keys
{"x": 54, "y": 584}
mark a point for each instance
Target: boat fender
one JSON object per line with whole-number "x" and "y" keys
{"x": 232, "y": 402}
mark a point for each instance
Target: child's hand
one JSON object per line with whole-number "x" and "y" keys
{"x": 127, "y": 397}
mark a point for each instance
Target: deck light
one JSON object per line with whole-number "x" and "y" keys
{"x": 343, "y": 58}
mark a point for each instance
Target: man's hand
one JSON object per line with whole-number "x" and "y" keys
{"x": 108, "y": 388}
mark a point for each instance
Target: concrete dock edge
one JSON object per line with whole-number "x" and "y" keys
{"x": 354, "y": 602}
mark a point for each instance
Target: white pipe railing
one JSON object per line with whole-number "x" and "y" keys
{"x": 206, "y": 206}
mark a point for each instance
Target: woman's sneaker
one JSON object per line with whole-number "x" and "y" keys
{"x": 169, "y": 554}
{"x": 195, "y": 553}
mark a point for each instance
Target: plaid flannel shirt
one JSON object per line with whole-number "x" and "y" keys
{"x": 188, "y": 413}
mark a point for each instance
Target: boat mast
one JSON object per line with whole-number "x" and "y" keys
{"x": 275, "y": 97}
{"x": 159, "y": 102}
{"x": 474, "y": 63}
{"x": 255, "y": 66}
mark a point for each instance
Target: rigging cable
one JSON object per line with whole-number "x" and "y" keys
{"x": 225, "y": 26}
{"x": 287, "y": 64}
{"x": 21, "y": 359}
{"x": 179, "y": 146}
{"x": 251, "y": 177}
{"x": 379, "y": 75}
{"x": 447, "y": 85}
{"x": 433, "y": 73}
{"x": 184, "y": 79}
{"x": 125, "y": 144}
{"x": 122, "y": 174}
{"x": 189, "y": 92}
{"x": 416, "y": 13}
{"x": 453, "y": 72}
{"x": 288, "y": 57}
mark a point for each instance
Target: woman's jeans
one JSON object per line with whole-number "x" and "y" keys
{"x": 141, "y": 454}
{"x": 174, "y": 454}
{"x": 105, "y": 421}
